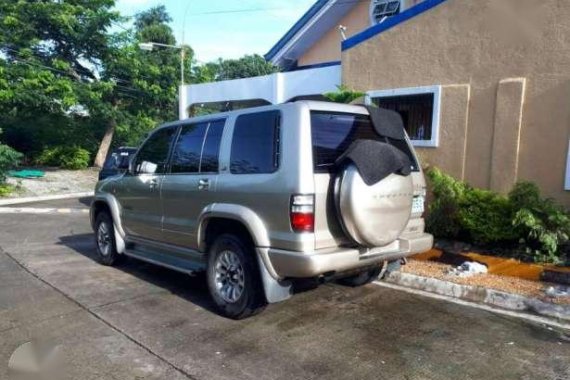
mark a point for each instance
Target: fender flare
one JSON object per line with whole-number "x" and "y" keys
{"x": 275, "y": 288}
{"x": 113, "y": 205}
{"x": 244, "y": 215}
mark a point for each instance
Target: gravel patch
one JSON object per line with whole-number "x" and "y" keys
{"x": 56, "y": 181}
{"x": 513, "y": 285}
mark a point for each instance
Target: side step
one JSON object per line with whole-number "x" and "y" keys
{"x": 181, "y": 261}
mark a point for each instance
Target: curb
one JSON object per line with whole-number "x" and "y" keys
{"x": 481, "y": 295}
{"x": 15, "y": 201}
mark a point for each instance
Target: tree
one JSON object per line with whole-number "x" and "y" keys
{"x": 343, "y": 95}
{"x": 64, "y": 76}
{"x": 227, "y": 69}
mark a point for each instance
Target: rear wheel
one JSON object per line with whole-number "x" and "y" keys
{"x": 233, "y": 278}
{"x": 105, "y": 239}
{"x": 362, "y": 278}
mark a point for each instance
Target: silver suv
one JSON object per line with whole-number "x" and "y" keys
{"x": 258, "y": 198}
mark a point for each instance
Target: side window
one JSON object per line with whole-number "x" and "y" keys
{"x": 255, "y": 144}
{"x": 153, "y": 155}
{"x": 198, "y": 147}
{"x": 186, "y": 155}
{"x": 211, "y": 151}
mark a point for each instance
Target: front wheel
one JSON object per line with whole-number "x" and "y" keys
{"x": 105, "y": 239}
{"x": 233, "y": 278}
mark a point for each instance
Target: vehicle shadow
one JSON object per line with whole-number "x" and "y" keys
{"x": 191, "y": 288}
{"x": 86, "y": 201}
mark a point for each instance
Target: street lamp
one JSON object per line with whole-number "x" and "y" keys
{"x": 149, "y": 46}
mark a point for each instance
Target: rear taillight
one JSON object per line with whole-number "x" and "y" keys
{"x": 302, "y": 213}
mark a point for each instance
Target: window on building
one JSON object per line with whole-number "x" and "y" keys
{"x": 384, "y": 8}
{"x": 255, "y": 144}
{"x": 419, "y": 108}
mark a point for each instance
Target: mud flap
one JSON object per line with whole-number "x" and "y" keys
{"x": 275, "y": 290}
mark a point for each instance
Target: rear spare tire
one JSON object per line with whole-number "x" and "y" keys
{"x": 375, "y": 215}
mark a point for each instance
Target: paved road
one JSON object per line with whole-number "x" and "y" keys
{"x": 142, "y": 322}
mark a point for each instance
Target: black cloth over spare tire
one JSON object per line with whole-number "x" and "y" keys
{"x": 376, "y": 160}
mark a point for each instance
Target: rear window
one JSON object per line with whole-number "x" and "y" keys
{"x": 333, "y": 132}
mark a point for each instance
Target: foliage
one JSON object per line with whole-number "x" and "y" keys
{"x": 67, "y": 157}
{"x": 6, "y": 189}
{"x": 226, "y": 69}
{"x": 66, "y": 78}
{"x": 459, "y": 211}
{"x": 343, "y": 95}
{"x": 542, "y": 225}
{"x": 9, "y": 158}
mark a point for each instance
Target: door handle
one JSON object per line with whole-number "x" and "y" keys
{"x": 203, "y": 184}
{"x": 153, "y": 184}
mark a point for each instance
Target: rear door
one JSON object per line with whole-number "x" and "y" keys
{"x": 190, "y": 184}
{"x": 139, "y": 193}
{"x": 332, "y": 133}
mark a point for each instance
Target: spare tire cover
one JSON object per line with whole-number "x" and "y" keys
{"x": 376, "y": 215}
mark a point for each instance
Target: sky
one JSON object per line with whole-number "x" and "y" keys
{"x": 226, "y": 28}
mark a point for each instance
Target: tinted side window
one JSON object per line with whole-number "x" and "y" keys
{"x": 155, "y": 150}
{"x": 186, "y": 155}
{"x": 211, "y": 151}
{"x": 255, "y": 145}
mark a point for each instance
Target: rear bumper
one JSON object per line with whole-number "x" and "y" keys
{"x": 303, "y": 264}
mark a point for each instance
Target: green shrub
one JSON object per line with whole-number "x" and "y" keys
{"x": 73, "y": 158}
{"x": 459, "y": 211}
{"x": 5, "y": 190}
{"x": 9, "y": 158}
{"x": 443, "y": 220}
{"x": 542, "y": 225}
{"x": 486, "y": 217}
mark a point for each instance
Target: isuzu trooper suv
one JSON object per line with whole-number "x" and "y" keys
{"x": 260, "y": 197}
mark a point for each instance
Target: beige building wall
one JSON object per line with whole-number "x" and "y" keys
{"x": 327, "y": 49}
{"x": 504, "y": 68}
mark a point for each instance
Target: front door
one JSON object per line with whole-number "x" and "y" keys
{"x": 190, "y": 185}
{"x": 139, "y": 193}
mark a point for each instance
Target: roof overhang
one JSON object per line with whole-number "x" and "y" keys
{"x": 318, "y": 20}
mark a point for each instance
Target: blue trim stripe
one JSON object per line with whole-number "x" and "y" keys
{"x": 390, "y": 23}
{"x": 317, "y": 65}
{"x": 298, "y": 26}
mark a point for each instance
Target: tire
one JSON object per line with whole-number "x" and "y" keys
{"x": 233, "y": 278}
{"x": 105, "y": 240}
{"x": 362, "y": 278}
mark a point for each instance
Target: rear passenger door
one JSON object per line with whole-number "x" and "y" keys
{"x": 190, "y": 184}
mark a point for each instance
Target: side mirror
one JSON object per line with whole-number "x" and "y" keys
{"x": 147, "y": 167}
{"x": 131, "y": 165}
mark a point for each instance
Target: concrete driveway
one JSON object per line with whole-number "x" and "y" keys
{"x": 138, "y": 321}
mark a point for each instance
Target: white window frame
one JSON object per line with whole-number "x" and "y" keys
{"x": 435, "y": 123}
{"x": 567, "y": 177}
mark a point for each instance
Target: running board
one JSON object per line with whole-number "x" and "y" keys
{"x": 184, "y": 263}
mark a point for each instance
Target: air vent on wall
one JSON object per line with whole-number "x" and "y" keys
{"x": 382, "y": 9}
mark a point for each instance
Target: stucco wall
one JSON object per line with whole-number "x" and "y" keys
{"x": 327, "y": 49}
{"x": 475, "y": 49}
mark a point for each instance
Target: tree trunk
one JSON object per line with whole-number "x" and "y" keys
{"x": 105, "y": 143}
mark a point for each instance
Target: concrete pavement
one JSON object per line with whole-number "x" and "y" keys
{"x": 138, "y": 321}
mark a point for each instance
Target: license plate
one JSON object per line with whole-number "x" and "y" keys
{"x": 418, "y": 205}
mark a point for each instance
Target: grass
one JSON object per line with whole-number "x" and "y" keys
{"x": 6, "y": 189}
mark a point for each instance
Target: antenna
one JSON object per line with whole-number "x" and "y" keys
{"x": 342, "y": 30}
